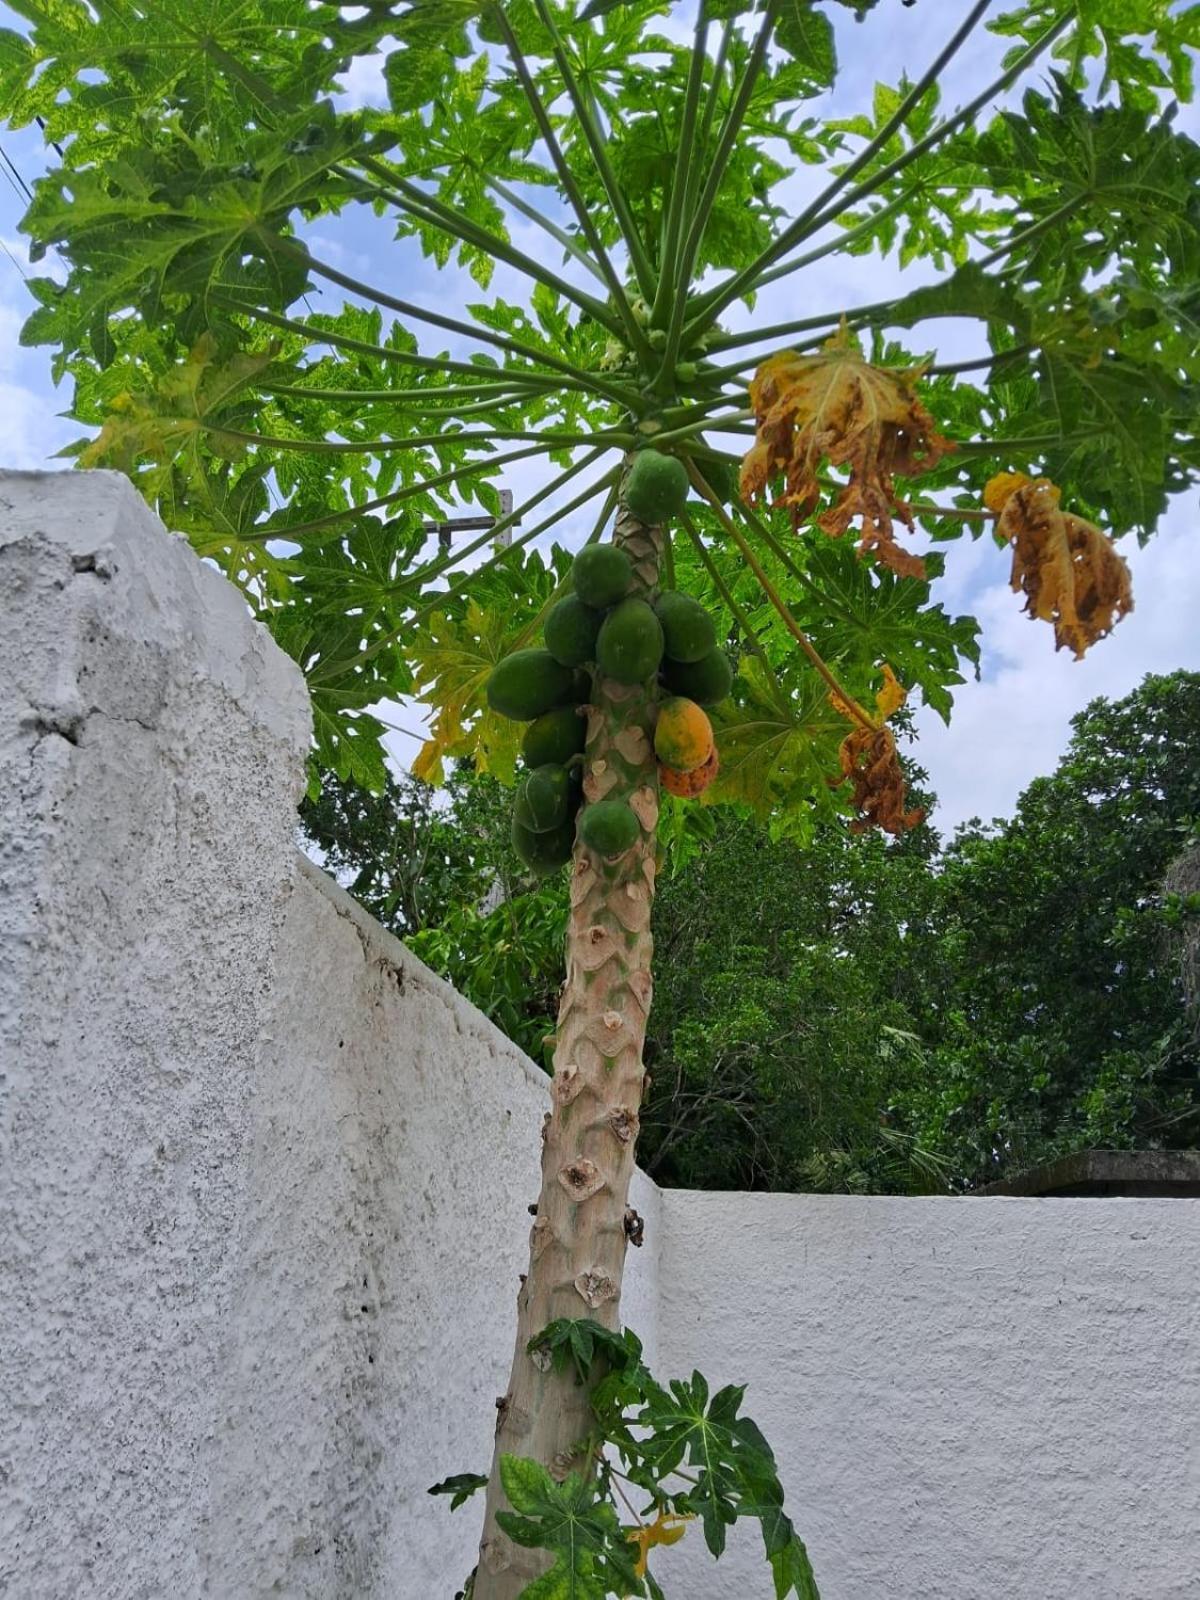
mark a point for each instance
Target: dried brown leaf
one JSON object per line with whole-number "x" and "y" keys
{"x": 870, "y": 764}
{"x": 838, "y": 408}
{"x": 1068, "y": 570}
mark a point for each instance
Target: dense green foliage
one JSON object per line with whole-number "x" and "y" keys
{"x": 1055, "y": 994}
{"x": 300, "y": 443}
{"x": 859, "y": 1015}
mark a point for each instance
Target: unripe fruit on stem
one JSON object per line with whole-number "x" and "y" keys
{"x": 657, "y": 486}
{"x": 554, "y": 737}
{"x": 630, "y": 645}
{"x": 688, "y": 632}
{"x": 609, "y": 828}
{"x": 706, "y": 681}
{"x": 570, "y": 631}
{"x": 601, "y": 575}
{"x": 527, "y": 683}
{"x": 544, "y": 852}
{"x": 543, "y": 800}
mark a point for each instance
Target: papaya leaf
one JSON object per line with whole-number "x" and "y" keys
{"x": 1069, "y": 572}
{"x": 838, "y": 408}
{"x": 728, "y": 1454}
{"x": 776, "y": 747}
{"x": 453, "y": 656}
{"x": 576, "y": 1522}
{"x": 861, "y": 617}
{"x": 1144, "y": 45}
{"x": 460, "y": 1487}
{"x": 579, "y": 1342}
{"x": 792, "y": 1571}
{"x": 807, "y": 36}
{"x": 184, "y": 411}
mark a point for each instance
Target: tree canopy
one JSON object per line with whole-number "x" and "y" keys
{"x": 304, "y": 449}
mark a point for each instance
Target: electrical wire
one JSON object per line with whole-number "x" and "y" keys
{"x": 21, "y": 186}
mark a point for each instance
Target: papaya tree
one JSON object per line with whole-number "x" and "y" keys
{"x": 628, "y": 186}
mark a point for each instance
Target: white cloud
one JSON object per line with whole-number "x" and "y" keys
{"x": 30, "y": 430}
{"x": 363, "y": 82}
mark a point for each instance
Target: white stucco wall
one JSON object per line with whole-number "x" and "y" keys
{"x": 263, "y": 1189}
{"x": 978, "y": 1399}
{"x": 384, "y": 1224}
{"x": 263, "y": 1176}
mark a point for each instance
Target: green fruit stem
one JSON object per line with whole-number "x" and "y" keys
{"x": 589, "y": 1138}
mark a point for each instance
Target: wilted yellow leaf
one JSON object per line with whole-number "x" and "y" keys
{"x": 452, "y": 662}
{"x": 1068, "y": 570}
{"x": 838, "y": 408}
{"x": 870, "y": 764}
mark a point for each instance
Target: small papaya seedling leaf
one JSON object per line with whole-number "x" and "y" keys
{"x": 460, "y": 1487}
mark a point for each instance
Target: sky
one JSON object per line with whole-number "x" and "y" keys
{"x": 1008, "y": 727}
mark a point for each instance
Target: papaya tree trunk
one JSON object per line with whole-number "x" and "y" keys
{"x": 578, "y": 1240}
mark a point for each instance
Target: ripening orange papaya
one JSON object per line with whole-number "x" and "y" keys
{"x": 683, "y": 736}
{"x": 687, "y": 785}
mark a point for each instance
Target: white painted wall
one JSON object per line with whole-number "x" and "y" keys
{"x": 975, "y": 1399}
{"x": 263, "y": 1176}
{"x": 263, "y": 1188}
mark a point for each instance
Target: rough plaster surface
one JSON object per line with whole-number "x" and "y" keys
{"x": 263, "y": 1177}
{"x": 384, "y": 1224}
{"x": 263, "y": 1181}
{"x": 151, "y": 746}
{"x": 970, "y": 1399}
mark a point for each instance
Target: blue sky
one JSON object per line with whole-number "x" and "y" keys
{"x": 1008, "y": 727}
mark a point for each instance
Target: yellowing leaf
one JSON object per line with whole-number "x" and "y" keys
{"x": 1068, "y": 570}
{"x": 663, "y": 1530}
{"x": 838, "y": 408}
{"x": 452, "y": 662}
{"x": 167, "y": 425}
{"x": 999, "y": 490}
{"x": 892, "y": 696}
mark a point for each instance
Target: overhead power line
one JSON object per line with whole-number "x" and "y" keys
{"x": 20, "y": 185}
{"x": 14, "y": 260}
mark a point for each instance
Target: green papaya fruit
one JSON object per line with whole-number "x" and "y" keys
{"x": 545, "y": 852}
{"x": 570, "y": 631}
{"x": 609, "y": 827}
{"x": 527, "y": 683}
{"x": 554, "y": 738}
{"x": 688, "y": 632}
{"x": 543, "y": 799}
{"x": 657, "y": 486}
{"x": 707, "y": 681}
{"x": 630, "y": 645}
{"x": 602, "y": 575}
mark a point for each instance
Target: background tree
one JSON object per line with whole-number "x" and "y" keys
{"x": 1055, "y": 1002}
{"x": 198, "y": 142}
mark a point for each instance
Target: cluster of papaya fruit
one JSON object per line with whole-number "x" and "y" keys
{"x": 601, "y": 626}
